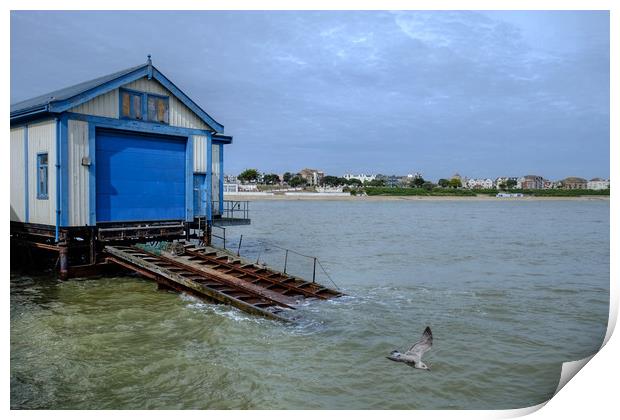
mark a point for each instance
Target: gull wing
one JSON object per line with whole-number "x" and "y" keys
{"x": 423, "y": 345}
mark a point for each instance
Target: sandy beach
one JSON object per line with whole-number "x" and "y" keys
{"x": 480, "y": 197}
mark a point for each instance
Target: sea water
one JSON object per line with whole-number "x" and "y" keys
{"x": 510, "y": 289}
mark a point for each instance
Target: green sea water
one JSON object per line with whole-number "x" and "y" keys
{"x": 510, "y": 289}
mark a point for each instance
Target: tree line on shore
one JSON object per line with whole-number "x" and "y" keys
{"x": 406, "y": 191}
{"x": 417, "y": 185}
{"x": 297, "y": 180}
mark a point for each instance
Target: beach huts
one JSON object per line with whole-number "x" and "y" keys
{"x": 126, "y": 155}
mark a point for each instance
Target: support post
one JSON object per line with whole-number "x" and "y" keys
{"x": 93, "y": 245}
{"x": 314, "y": 271}
{"x": 63, "y": 260}
{"x": 207, "y": 233}
{"x": 285, "y": 260}
{"x": 239, "y": 247}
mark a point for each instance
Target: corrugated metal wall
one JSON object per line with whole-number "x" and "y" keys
{"x": 42, "y": 139}
{"x": 78, "y": 173}
{"x": 200, "y": 154}
{"x": 215, "y": 177}
{"x": 18, "y": 176}
{"x": 105, "y": 105}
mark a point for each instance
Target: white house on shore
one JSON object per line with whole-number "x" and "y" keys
{"x": 361, "y": 177}
{"x": 503, "y": 179}
{"x": 479, "y": 183}
{"x": 598, "y": 184}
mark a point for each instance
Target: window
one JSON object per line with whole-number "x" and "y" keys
{"x": 144, "y": 106}
{"x": 131, "y": 105}
{"x": 42, "y": 176}
{"x": 158, "y": 108}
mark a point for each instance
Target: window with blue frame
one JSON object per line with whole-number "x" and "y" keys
{"x": 144, "y": 106}
{"x": 131, "y": 104}
{"x": 42, "y": 175}
{"x": 157, "y": 108}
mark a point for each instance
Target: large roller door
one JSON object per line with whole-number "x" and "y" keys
{"x": 139, "y": 177}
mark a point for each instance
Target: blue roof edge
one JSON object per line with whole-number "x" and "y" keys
{"x": 222, "y": 138}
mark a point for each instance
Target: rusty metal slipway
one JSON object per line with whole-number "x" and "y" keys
{"x": 218, "y": 276}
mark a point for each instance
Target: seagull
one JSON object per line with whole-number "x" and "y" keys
{"x": 413, "y": 356}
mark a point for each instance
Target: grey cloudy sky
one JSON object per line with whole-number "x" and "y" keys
{"x": 481, "y": 93}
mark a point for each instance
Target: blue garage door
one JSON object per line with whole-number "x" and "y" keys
{"x": 139, "y": 177}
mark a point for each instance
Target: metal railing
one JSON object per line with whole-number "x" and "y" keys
{"x": 222, "y": 234}
{"x": 234, "y": 209}
{"x": 260, "y": 248}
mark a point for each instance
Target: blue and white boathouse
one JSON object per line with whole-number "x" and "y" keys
{"x": 124, "y": 156}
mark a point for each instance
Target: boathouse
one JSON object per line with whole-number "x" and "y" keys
{"x": 126, "y": 156}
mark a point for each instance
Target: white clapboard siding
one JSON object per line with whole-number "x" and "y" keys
{"x": 18, "y": 175}
{"x": 42, "y": 139}
{"x": 200, "y": 154}
{"x": 78, "y": 173}
{"x": 105, "y": 105}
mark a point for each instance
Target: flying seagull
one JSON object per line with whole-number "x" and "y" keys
{"x": 413, "y": 356}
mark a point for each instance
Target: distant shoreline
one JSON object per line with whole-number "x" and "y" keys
{"x": 480, "y": 197}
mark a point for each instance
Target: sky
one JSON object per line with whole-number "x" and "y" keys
{"x": 484, "y": 94}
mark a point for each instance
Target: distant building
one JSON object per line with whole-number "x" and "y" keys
{"x": 574, "y": 183}
{"x": 502, "y": 180}
{"x": 532, "y": 182}
{"x": 231, "y": 187}
{"x": 479, "y": 183}
{"x": 392, "y": 180}
{"x": 329, "y": 190}
{"x": 549, "y": 185}
{"x": 231, "y": 179}
{"x": 598, "y": 184}
{"x": 231, "y": 184}
{"x": 312, "y": 176}
{"x": 361, "y": 177}
{"x": 247, "y": 188}
{"x": 520, "y": 182}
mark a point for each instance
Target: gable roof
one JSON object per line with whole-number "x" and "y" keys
{"x": 63, "y": 99}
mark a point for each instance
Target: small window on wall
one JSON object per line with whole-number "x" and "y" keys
{"x": 158, "y": 108}
{"x": 42, "y": 173}
{"x": 131, "y": 105}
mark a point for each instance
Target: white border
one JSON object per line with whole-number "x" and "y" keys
{"x": 591, "y": 395}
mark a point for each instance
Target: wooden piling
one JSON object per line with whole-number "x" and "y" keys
{"x": 63, "y": 260}
{"x": 207, "y": 234}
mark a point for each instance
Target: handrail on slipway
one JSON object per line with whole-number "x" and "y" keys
{"x": 314, "y": 259}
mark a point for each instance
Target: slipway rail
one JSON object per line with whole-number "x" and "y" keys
{"x": 217, "y": 276}
{"x": 259, "y": 275}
